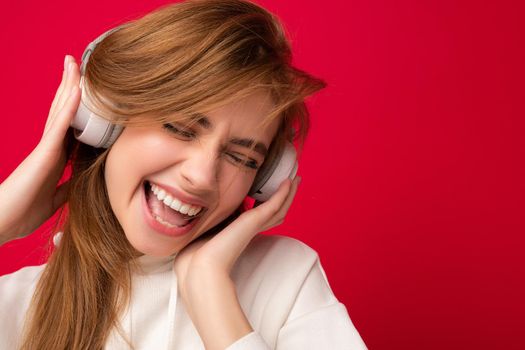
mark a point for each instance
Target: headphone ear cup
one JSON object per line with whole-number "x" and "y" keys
{"x": 91, "y": 128}
{"x": 285, "y": 166}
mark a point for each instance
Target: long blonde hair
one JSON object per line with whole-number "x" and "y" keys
{"x": 184, "y": 58}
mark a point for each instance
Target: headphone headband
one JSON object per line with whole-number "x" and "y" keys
{"x": 91, "y": 47}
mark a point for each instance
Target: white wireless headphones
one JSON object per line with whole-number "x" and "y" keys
{"x": 94, "y": 130}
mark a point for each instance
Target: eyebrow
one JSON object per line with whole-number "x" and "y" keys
{"x": 258, "y": 147}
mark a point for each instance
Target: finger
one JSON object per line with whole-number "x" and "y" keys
{"x": 253, "y": 221}
{"x": 60, "y": 196}
{"x": 56, "y": 132}
{"x": 278, "y": 218}
{"x": 73, "y": 79}
{"x": 72, "y": 82}
{"x": 58, "y": 93}
{"x": 291, "y": 195}
{"x": 61, "y": 87}
{"x": 227, "y": 245}
{"x": 268, "y": 209}
{"x": 223, "y": 249}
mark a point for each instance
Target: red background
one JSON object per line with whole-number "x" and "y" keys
{"x": 412, "y": 191}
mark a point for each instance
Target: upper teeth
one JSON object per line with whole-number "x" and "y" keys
{"x": 174, "y": 203}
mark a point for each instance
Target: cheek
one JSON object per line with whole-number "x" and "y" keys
{"x": 234, "y": 187}
{"x": 135, "y": 155}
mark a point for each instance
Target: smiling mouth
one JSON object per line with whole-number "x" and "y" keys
{"x": 169, "y": 211}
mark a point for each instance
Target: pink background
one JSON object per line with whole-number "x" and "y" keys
{"x": 413, "y": 176}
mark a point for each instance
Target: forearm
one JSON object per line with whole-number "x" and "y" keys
{"x": 16, "y": 196}
{"x": 213, "y": 306}
{"x": 6, "y": 225}
{"x": 6, "y": 235}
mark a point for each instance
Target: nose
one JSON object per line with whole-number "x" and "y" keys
{"x": 199, "y": 171}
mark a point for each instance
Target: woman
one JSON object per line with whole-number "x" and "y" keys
{"x": 158, "y": 247}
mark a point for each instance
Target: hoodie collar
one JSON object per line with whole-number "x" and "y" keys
{"x": 149, "y": 264}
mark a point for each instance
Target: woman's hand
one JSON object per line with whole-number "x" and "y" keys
{"x": 203, "y": 271}
{"x": 29, "y": 196}
{"x": 218, "y": 254}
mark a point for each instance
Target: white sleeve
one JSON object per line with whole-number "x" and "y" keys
{"x": 251, "y": 341}
{"x": 16, "y": 291}
{"x": 317, "y": 321}
{"x": 327, "y": 328}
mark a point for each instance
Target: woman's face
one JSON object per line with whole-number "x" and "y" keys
{"x": 204, "y": 171}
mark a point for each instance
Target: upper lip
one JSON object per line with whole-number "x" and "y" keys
{"x": 186, "y": 198}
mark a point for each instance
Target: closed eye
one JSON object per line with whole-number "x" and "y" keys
{"x": 250, "y": 163}
{"x": 188, "y": 133}
{"x": 179, "y": 130}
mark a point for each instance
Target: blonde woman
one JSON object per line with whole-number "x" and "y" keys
{"x": 206, "y": 101}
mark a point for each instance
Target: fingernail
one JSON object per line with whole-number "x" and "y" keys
{"x": 66, "y": 59}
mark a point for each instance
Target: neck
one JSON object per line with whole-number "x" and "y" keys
{"x": 148, "y": 264}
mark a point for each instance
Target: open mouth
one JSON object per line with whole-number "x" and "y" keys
{"x": 169, "y": 211}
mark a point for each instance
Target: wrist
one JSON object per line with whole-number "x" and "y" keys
{"x": 212, "y": 304}
{"x": 4, "y": 238}
{"x": 205, "y": 280}
{"x": 6, "y": 234}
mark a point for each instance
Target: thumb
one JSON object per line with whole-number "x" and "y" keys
{"x": 61, "y": 195}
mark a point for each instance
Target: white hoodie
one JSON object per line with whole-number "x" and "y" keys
{"x": 281, "y": 287}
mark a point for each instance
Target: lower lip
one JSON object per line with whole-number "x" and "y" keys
{"x": 157, "y": 226}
